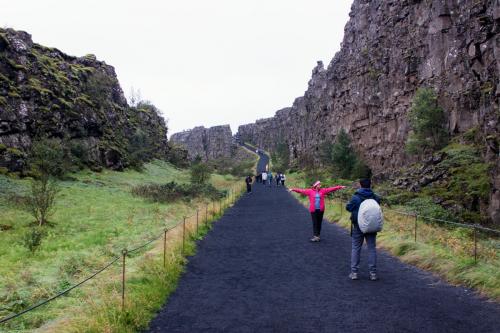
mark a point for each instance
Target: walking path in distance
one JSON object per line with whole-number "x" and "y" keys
{"x": 256, "y": 271}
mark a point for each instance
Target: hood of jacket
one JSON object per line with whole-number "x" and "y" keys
{"x": 365, "y": 192}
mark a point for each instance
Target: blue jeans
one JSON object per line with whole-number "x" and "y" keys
{"x": 357, "y": 242}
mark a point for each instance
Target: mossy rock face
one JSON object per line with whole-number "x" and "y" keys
{"x": 49, "y": 93}
{"x": 454, "y": 184}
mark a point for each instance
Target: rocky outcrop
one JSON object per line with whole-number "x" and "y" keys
{"x": 391, "y": 48}
{"x": 44, "y": 92}
{"x": 207, "y": 143}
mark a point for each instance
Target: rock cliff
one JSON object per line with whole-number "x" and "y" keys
{"x": 207, "y": 143}
{"x": 391, "y": 48}
{"x": 44, "y": 92}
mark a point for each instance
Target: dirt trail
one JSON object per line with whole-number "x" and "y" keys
{"x": 256, "y": 271}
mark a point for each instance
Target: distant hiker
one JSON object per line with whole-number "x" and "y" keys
{"x": 283, "y": 178}
{"x": 249, "y": 182}
{"x": 258, "y": 178}
{"x": 270, "y": 178}
{"x": 362, "y": 194}
{"x": 278, "y": 179}
{"x": 316, "y": 204}
{"x": 264, "y": 178}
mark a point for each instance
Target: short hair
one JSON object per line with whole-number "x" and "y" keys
{"x": 365, "y": 182}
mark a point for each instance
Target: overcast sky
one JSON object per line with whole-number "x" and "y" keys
{"x": 201, "y": 62}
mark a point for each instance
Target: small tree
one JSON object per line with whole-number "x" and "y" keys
{"x": 427, "y": 120}
{"x": 281, "y": 157}
{"x": 343, "y": 155}
{"x": 139, "y": 149}
{"x": 47, "y": 161}
{"x": 200, "y": 173}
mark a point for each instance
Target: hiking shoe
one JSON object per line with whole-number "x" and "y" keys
{"x": 315, "y": 239}
{"x": 353, "y": 276}
{"x": 373, "y": 277}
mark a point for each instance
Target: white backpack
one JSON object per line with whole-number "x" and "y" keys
{"x": 370, "y": 218}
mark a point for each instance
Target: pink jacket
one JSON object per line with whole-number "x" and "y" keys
{"x": 312, "y": 195}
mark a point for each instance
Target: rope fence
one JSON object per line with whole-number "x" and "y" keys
{"x": 223, "y": 203}
{"x": 416, "y": 218}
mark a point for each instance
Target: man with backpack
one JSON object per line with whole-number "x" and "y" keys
{"x": 366, "y": 221}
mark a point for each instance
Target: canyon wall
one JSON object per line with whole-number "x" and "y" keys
{"x": 207, "y": 143}
{"x": 389, "y": 50}
{"x": 47, "y": 93}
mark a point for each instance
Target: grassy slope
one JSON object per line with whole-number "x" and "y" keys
{"x": 96, "y": 217}
{"x": 447, "y": 252}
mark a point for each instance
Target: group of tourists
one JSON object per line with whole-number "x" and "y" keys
{"x": 266, "y": 178}
{"x": 366, "y": 221}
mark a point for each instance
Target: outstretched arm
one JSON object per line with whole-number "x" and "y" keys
{"x": 299, "y": 190}
{"x": 333, "y": 189}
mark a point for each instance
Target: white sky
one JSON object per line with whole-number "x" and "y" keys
{"x": 201, "y": 62}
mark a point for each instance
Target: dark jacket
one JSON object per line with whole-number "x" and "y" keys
{"x": 356, "y": 200}
{"x": 248, "y": 180}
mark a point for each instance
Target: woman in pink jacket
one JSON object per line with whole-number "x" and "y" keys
{"x": 316, "y": 204}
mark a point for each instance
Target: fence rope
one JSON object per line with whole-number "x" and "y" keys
{"x": 462, "y": 225}
{"x": 31, "y": 308}
{"x": 3, "y": 320}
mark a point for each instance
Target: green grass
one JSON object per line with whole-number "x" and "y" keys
{"x": 445, "y": 251}
{"x": 96, "y": 217}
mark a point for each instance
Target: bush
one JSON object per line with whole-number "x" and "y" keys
{"x": 47, "y": 158}
{"x": 40, "y": 203}
{"x": 200, "y": 173}
{"x": 170, "y": 192}
{"x": 139, "y": 149}
{"x": 33, "y": 239}
{"x": 426, "y": 207}
{"x": 427, "y": 120}
{"x": 281, "y": 157}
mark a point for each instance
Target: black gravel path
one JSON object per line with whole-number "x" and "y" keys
{"x": 256, "y": 271}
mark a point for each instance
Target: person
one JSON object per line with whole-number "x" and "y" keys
{"x": 249, "y": 182}
{"x": 278, "y": 179}
{"x": 365, "y": 192}
{"x": 270, "y": 178}
{"x": 283, "y": 178}
{"x": 264, "y": 178}
{"x": 316, "y": 204}
{"x": 258, "y": 178}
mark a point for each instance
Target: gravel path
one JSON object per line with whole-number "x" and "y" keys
{"x": 256, "y": 271}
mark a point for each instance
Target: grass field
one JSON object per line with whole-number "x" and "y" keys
{"x": 446, "y": 251}
{"x": 96, "y": 217}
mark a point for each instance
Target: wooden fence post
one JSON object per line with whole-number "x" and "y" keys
{"x": 416, "y": 220}
{"x": 124, "y": 255}
{"x": 165, "y": 247}
{"x": 183, "y": 234}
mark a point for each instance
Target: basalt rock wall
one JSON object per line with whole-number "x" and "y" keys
{"x": 207, "y": 143}
{"x": 46, "y": 93}
{"x": 391, "y": 48}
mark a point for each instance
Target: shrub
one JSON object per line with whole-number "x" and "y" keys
{"x": 47, "y": 158}
{"x": 139, "y": 149}
{"x": 33, "y": 239}
{"x": 40, "y": 203}
{"x": 281, "y": 157}
{"x": 200, "y": 173}
{"x": 427, "y": 120}
{"x": 424, "y": 206}
{"x": 170, "y": 192}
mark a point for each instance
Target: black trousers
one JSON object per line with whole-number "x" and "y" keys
{"x": 249, "y": 188}
{"x": 317, "y": 219}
